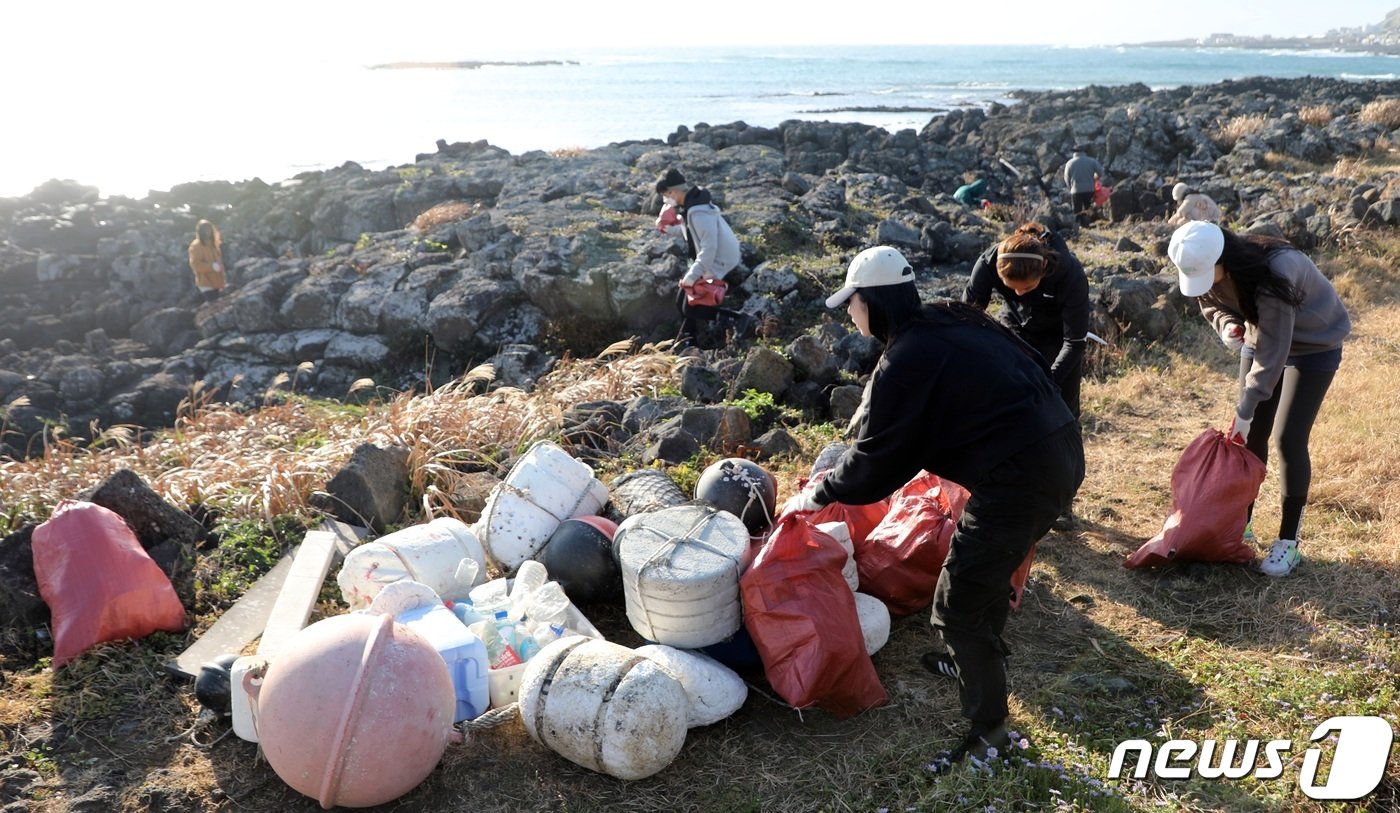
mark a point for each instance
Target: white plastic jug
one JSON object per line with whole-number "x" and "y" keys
{"x": 417, "y": 607}
{"x": 443, "y": 554}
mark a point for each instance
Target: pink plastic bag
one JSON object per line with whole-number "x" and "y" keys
{"x": 98, "y": 581}
{"x": 1213, "y": 486}
{"x": 802, "y": 617}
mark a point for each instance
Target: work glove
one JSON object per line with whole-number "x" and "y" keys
{"x": 691, "y": 277}
{"x": 803, "y": 502}
{"x": 1239, "y": 428}
{"x": 219, "y": 267}
{"x": 1232, "y": 334}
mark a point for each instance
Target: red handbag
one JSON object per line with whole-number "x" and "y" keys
{"x": 706, "y": 292}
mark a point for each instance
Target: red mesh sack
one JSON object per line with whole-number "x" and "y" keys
{"x": 1101, "y": 193}
{"x": 901, "y": 558}
{"x": 802, "y": 617}
{"x": 1213, "y": 486}
{"x": 98, "y": 581}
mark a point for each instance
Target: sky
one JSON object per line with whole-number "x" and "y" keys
{"x": 103, "y": 87}
{"x": 76, "y": 36}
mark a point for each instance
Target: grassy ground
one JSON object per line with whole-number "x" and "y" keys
{"x": 1100, "y": 654}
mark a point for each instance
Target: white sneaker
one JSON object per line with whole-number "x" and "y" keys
{"x": 1282, "y": 559}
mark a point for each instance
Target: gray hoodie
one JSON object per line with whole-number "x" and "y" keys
{"x": 716, "y": 247}
{"x": 1318, "y": 325}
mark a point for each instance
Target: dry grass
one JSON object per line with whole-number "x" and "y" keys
{"x": 449, "y": 212}
{"x": 1237, "y": 127}
{"x": 1316, "y": 115}
{"x": 1385, "y": 112}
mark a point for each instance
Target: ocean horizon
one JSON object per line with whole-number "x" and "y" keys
{"x": 288, "y": 117}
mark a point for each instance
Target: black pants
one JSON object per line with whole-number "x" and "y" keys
{"x": 1068, "y": 377}
{"x": 1081, "y": 201}
{"x": 691, "y": 315}
{"x": 1009, "y": 511}
{"x": 1288, "y": 417}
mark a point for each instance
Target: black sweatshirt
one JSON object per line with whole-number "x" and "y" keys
{"x": 1055, "y": 313}
{"x": 951, "y": 397}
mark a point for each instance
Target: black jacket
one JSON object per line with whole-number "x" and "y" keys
{"x": 950, "y": 396}
{"x": 1054, "y": 318}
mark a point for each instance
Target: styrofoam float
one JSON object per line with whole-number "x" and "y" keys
{"x": 545, "y": 487}
{"x": 680, "y": 574}
{"x": 713, "y": 689}
{"x": 604, "y": 707}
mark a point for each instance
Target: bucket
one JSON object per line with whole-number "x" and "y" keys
{"x": 680, "y": 574}
{"x": 604, "y": 707}
{"x": 545, "y": 487}
{"x": 356, "y": 711}
{"x": 432, "y": 553}
{"x": 417, "y": 607}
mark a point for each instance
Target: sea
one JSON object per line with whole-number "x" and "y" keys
{"x": 137, "y": 133}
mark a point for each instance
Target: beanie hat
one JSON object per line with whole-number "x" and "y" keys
{"x": 1179, "y": 191}
{"x": 669, "y": 178}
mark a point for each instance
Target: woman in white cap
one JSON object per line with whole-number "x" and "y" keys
{"x": 957, "y": 394}
{"x": 1267, "y": 299}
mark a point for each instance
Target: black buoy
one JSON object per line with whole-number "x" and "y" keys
{"x": 212, "y": 687}
{"x": 741, "y": 487}
{"x": 579, "y": 556}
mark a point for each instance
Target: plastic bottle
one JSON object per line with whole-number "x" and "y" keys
{"x": 505, "y": 631}
{"x": 487, "y": 598}
{"x": 529, "y": 578}
{"x": 549, "y": 605}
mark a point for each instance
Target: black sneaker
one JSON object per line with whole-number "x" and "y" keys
{"x": 940, "y": 663}
{"x": 981, "y": 743}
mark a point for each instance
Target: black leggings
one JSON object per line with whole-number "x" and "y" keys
{"x": 1288, "y": 417}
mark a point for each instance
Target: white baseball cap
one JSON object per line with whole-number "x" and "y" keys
{"x": 871, "y": 268}
{"x": 1195, "y": 248}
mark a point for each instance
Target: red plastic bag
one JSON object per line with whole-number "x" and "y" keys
{"x": 1101, "y": 193}
{"x": 900, "y": 560}
{"x": 706, "y": 292}
{"x": 1213, "y": 486}
{"x": 802, "y": 617}
{"x": 98, "y": 581}
{"x": 669, "y": 217}
{"x": 860, "y": 519}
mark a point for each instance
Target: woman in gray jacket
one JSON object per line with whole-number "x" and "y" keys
{"x": 1267, "y": 299}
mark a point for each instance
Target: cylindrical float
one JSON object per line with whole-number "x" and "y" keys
{"x": 604, "y": 707}
{"x": 545, "y": 487}
{"x": 356, "y": 711}
{"x": 680, "y": 574}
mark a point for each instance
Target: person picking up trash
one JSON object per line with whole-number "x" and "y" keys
{"x": 1266, "y": 293}
{"x": 959, "y": 395}
{"x": 713, "y": 251}
{"x": 1046, "y": 302}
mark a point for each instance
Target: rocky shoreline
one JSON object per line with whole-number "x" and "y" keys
{"x": 516, "y": 259}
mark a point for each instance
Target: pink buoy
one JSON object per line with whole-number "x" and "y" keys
{"x": 355, "y": 711}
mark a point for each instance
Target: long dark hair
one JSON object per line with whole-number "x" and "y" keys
{"x": 893, "y": 308}
{"x": 1246, "y": 260}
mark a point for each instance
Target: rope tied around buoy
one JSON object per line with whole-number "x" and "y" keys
{"x": 492, "y": 718}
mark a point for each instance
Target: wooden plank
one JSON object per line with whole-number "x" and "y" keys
{"x": 239, "y": 624}
{"x": 249, "y": 616}
{"x": 299, "y": 592}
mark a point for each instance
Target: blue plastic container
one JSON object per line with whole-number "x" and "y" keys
{"x": 464, "y": 653}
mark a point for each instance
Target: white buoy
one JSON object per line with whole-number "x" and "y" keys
{"x": 604, "y": 707}
{"x": 680, "y": 574}
{"x": 714, "y": 690}
{"x": 874, "y": 622}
